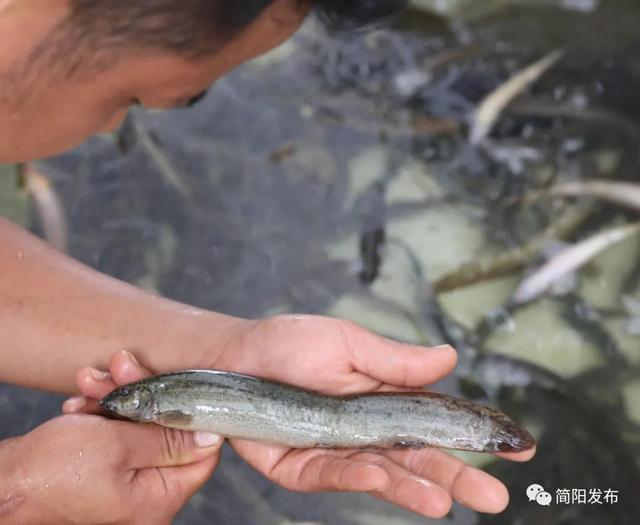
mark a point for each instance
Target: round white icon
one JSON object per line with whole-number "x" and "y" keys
{"x": 543, "y": 498}
{"x": 533, "y": 490}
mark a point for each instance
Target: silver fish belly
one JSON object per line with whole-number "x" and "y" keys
{"x": 245, "y": 407}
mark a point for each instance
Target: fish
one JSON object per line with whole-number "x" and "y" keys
{"x": 371, "y": 245}
{"x": 240, "y": 406}
{"x": 625, "y": 194}
{"x": 569, "y": 260}
{"x": 493, "y": 105}
{"x": 133, "y": 133}
{"x": 48, "y": 207}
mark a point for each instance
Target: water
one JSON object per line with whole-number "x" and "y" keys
{"x": 273, "y": 195}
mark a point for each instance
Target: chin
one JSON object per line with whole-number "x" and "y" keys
{"x": 18, "y": 157}
{"x": 5, "y": 158}
{"x": 30, "y": 155}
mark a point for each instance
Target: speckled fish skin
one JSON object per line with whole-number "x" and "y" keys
{"x": 240, "y": 406}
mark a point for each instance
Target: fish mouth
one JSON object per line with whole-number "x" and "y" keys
{"x": 108, "y": 404}
{"x": 510, "y": 437}
{"x": 111, "y": 409}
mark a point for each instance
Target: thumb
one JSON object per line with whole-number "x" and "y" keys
{"x": 185, "y": 481}
{"x": 396, "y": 363}
{"x": 154, "y": 446}
{"x": 180, "y": 481}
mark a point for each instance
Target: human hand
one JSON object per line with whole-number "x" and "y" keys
{"x": 340, "y": 358}
{"x": 87, "y": 469}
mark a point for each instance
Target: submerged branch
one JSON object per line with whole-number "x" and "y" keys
{"x": 514, "y": 260}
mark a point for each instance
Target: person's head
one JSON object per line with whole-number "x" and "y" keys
{"x": 70, "y": 68}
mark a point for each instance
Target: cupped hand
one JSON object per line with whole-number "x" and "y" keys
{"x": 338, "y": 357}
{"x": 87, "y": 469}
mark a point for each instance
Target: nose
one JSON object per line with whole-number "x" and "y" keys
{"x": 114, "y": 122}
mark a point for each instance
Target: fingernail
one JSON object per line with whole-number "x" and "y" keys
{"x": 206, "y": 439}
{"x": 74, "y": 404}
{"x": 131, "y": 358}
{"x": 98, "y": 375}
{"x": 443, "y": 347}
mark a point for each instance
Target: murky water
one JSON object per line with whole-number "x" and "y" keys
{"x": 335, "y": 176}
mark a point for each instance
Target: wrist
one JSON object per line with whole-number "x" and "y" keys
{"x": 63, "y": 316}
{"x": 188, "y": 339}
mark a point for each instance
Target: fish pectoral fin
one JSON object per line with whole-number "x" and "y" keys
{"x": 175, "y": 419}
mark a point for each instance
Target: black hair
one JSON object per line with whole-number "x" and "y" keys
{"x": 351, "y": 14}
{"x": 190, "y": 28}
{"x": 97, "y": 32}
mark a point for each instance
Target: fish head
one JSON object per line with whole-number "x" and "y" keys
{"x": 135, "y": 401}
{"x": 508, "y": 436}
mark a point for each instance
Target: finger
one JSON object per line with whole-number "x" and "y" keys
{"x": 94, "y": 383}
{"x": 346, "y": 470}
{"x": 81, "y": 405}
{"x": 191, "y": 478}
{"x": 525, "y": 455}
{"x": 467, "y": 485}
{"x": 125, "y": 368}
{"x": 153, "y": 446}
{"x": 329, "y": 471}
{"x": 397, "y": 363}
{"x": 179, "y": 483}
{"x": 408, "y": 490}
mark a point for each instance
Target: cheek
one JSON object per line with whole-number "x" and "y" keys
{"x": 76, "y": 122}
{"x": 115, "y": 121}
{"x": 51, "y": 127}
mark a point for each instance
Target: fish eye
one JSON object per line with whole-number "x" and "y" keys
{"x": 126, "y": 391}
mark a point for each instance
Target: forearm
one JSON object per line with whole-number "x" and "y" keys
{"x": 23, "y": 491}
{"x": 12, "y": 493}
{"x": 57, "y": 315}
